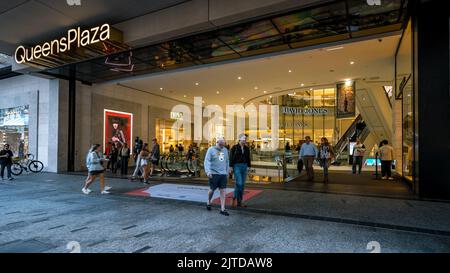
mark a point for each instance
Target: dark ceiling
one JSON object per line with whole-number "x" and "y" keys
{"x": 32, "y": 21}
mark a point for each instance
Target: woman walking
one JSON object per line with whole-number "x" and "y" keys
{"x": 145, "y": 158}
{"x": 124, "y": 158}
{"x": 325, "y": 155}
{"x": 94, "y": 163}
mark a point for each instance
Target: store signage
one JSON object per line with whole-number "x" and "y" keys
{"x": 303, "y": 111}
{"x": 75, "y": 38}
{"x": 176, "y": 115}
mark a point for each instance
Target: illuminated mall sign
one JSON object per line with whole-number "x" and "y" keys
{"x": 303, "y": 111}
{"x": 75, "y": 38}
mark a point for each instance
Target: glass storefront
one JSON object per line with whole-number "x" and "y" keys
{"x": 405, "y": 92}
{"x": 14, "y": 129}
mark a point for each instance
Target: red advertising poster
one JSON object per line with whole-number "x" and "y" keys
{"x": 118, "y": 129}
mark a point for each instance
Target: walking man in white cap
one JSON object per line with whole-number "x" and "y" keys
{"x": 217, "y": 168}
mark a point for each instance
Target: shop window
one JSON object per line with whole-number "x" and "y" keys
{"x": 14, "y": 129}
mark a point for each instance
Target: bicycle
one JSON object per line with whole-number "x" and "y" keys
{"x": 28, "y": 164}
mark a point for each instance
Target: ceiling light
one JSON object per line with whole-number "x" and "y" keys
{"x": 197, "y": 83}
{"x": 218, "y": 92}
{"x": 302, "y": 84}
{"x": 239, "y": 78}
{"x": 310, "y": 89}
{"x": 185, "y": 96}
{"x": 161, "y": 88}
{"x": 270, "y": 96}
{"x": 352, "y": 62}
{"x": 265, "y": 92}
{"x": 348, "y": 82}
{"x": 256, "y": 88}
{"x": 290, "y": 71}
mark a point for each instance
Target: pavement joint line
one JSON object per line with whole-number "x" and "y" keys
{"x": 60, "y": 226}
{"x": 142, "y": 249}
{"x": 40, "y": 220}
{"x": 78, "y": 229}
{"x": 141, "y": 234}
{"x": 39, "y": 214}
{"x": 14, "y": 212}
{"x": 15, "y": 223}
{"x": 97, "y": 243}
{"x": 130, "y": 227}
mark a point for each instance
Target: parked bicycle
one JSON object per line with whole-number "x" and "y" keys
{"x": 28, "y": 164}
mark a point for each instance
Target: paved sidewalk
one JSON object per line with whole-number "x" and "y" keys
{"x": 43, "y": 213}
{"x": 413, "y": 215}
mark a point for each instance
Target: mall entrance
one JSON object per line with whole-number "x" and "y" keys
{"x": 342, "y": 92}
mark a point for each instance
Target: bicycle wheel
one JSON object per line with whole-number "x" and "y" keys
{"x": 36, "y": 166}
{"x": 16, "y": 169}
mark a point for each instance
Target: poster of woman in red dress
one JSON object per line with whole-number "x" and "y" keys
{"x": 118, "y": 129}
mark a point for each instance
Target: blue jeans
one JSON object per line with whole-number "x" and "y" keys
{"x": 240, "y": 175}
{"x": 8, "y": 169}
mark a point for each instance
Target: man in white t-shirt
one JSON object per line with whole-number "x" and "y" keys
{"x": 358, "y": 154}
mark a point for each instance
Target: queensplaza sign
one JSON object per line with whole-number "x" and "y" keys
{"x": 100, "y": 40}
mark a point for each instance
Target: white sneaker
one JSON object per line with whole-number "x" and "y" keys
{"x": 107, "y": 188}
{"x": 86, "y": 191}
{"x": 105, "y": 192}
{"x": 391, "y": 178}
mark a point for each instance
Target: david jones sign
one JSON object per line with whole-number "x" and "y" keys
{"x": 303, "y": 111}
{"x": 75, "y": 38}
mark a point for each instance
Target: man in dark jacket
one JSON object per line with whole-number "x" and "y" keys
{"x": 6, "y": 156}
{"x": 240, "y": 161}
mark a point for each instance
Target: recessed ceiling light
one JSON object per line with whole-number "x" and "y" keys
{"x": 302, "y": 84}
{"x": 270, "y": 96}
{"x": 185, "y": 96}
{"x": 197, "y": 83}
{"x": 352, "y": 62}
{"x": 218, "y": 92}
{"x": 239, "y": 78}
{"x": 310, "y": 89}
{"x": 265, "y": 92}
{"x": 242, "y": 98}
{"x": 256, "y": 88}
{"x": 161, "y": 88}
{"x": 290, "y": 71}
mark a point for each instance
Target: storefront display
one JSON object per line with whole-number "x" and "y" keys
{"x": 14, "y": 129}
{"x": 118, "y": 129}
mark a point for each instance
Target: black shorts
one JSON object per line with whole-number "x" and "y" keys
{"x": 96, "y": 172}
{"x": 218, "y": 181}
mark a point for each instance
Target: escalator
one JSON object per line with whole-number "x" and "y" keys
{"x": 358, "y": 129}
